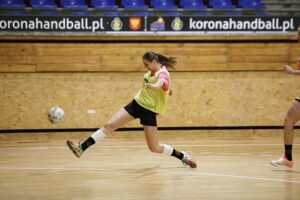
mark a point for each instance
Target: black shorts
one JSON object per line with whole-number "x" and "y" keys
{"x": 147, "y": 117}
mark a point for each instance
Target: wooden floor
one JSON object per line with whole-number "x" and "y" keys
{"x": 125, "y": 169}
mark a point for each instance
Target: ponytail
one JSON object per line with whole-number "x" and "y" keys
{"x": 169, "y": 62}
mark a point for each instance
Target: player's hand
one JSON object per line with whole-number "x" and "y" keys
{"x": 149, "y": 85}
{"x": 288, "y": 69}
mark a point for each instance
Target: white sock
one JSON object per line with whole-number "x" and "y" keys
{"x": 168, "y": 149}
{"x": 98, "y": 135}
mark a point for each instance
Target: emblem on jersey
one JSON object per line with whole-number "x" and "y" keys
{"x": 117, "y": 24}
{"x": 177, "y": 24}
{"x": 135, "y": 23}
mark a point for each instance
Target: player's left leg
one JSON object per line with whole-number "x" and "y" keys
{"x": 156, "y": 147}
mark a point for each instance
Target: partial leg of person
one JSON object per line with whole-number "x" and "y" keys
{"x": 118, "y": 120}
{"x": 156, "y": 147}
{"x": 292, "y": 117}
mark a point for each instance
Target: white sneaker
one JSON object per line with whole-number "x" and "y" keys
{"x": 188, "y": 160}
{"x": 282, "y": 162}
{"x": 76, "y": 149}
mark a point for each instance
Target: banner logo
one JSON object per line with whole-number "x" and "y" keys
{"x": 117, "y": 24}
{"x": 158, "y": 25}
{"x": 135, "y": 23}
{"x": 177, "y": 24}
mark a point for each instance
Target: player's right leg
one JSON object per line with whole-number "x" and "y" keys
{"x": 118, "y": 120}
{"x": 156, "y": 147}
{"x": 292, "y": 117}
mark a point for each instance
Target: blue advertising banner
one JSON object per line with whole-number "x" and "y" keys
{"x": 94, "y": 24}
{"x": 236, "y": 24}
{"x": 70, "y": 24}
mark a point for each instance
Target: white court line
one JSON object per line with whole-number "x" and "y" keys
{"x": 265, "y": 155}
{"x": 143, "y": 146}
{"x": 237, "y": 176}
{"x": 225, "y": 153}
{"x": 184, "y": 173}
{"x": 246, "y": 154}
{"x": 59, "y": 168}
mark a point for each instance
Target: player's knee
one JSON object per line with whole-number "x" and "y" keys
{"x": 109, "y": 127}
{"x": 289, "y": 121}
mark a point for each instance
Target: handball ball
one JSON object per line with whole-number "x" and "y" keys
{"x": 56, "y": 115}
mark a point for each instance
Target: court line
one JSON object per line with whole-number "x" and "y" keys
{"x": 237, "y": 176}
{"x": 266, "y": 155}
{"x": 184, "y": 173}
{"x": 58, "y": 168}
{"x": 143, "y": 146}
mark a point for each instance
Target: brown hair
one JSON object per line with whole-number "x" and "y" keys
{"x": 169, "y": 62}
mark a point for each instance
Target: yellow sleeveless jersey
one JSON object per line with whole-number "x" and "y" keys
{"x": 153, "y": 99}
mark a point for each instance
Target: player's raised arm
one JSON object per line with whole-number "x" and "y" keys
{"x": 157, "y": 85}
